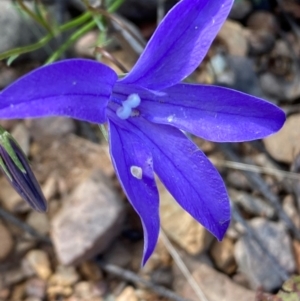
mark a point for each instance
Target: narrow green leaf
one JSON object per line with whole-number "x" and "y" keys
{"x": 43, "y": 41}
{"x": 103, "y": 131}
{"x": 11, "y": 59}
{"x": 73, "y": 38}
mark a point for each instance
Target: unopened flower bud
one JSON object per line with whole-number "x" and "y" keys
{"x": 14, "y": 164}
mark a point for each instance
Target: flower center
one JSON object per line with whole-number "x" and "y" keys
{"x": 132, "y": 102}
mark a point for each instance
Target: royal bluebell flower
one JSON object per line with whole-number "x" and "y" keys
{"x": 148, "y": 112}
{"x": 14, "y": 165}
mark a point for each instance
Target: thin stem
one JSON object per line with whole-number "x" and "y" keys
{"x": 132, "y": 277}
{"x": 25, "y": 227}
{"x": 76, "y": 22}
{"x": 70, "y": 41}
{"x": 34, "y": 17}
{"x": 43, "y": 41}
{"x": 115, "y": 6}
{"x": 183, "y": 268}
{"x": 104, "y": 131}
{"x": 21, "y": 50}
{"x": 119, "y": 22}
{"x": 258, "y": 183}
{"x": 111, "y": 58}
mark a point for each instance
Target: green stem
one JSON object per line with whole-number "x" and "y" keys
{"x": 43, "y": 41}
{"x": 67, "y": 26}
{"x": 115, "y": 6}
{"x": 103, "y": 131}
{"x": 73, "y": 23}
{"x": 70, "y": 41}
{"x": 20, "y": 50}
{"x": 34, "y": 16}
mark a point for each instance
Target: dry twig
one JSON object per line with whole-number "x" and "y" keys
{"x": 133, "y": 277}
{"x": 257, "y": 182}
{"x": 183, "y": 268}
{"x": 25, "y": 227}
{"x": 254, "y": 238}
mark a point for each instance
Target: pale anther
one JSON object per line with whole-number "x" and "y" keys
{"x": 133, "y": 100}
{"x": 124, "y": 112}
{"x": 137, "y": 172}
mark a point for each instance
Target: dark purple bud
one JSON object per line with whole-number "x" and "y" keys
{"x": 15, "y": 167}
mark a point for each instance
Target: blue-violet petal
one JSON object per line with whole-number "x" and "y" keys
{"x": 180, "y": 43}
{"x": 76, "y": 88}
{"x": 185, "y": 171}
{"x": 133, "y": 165}
{"x": 210, "y": 112}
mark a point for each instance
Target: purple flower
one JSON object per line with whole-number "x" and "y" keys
{"x": 147, "y": 111}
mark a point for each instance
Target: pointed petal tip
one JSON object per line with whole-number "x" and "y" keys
{"x": 149, "y": 247}
{"x": 145, "y": 259}
{"x": 281, "y": 119}
{"x": 276, "y": 122}
{"x": 23, "y": 181}
{"x": 221, "y": 230}
{"x": 183, "y": 39}
{"x": 226, "y": 115}
{"x": 41, "y": 206}
{"x": 150, "y": 242}
{"x": 138, "y": 156}
{"x": 31, "y": 193}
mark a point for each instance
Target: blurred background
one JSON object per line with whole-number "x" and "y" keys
{"x": 88, "y": 246}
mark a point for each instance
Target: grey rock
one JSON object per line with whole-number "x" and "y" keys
{"x": 254, "y": 262}
{"x": 260, "y": 42}
{"x": 230, "y": 72}
{"x": 281, "y": 80}
{"x": 254, "y": 205}
{"x": 279, "y": 87}
{"x": 54, "y": 126}
{"x": 119, "y": 254}
{"x": 36, "y": 287}
{"x": 240, "y": 9}
{"x": 89, "y": 221}
{"x": 17, "y": 29}
{"x": 238, "y": 180}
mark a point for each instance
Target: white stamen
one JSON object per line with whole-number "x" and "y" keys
{"x": 137, "y": 172}
{"x": 133, "y": 100}
{"x": 124, "y": 112}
